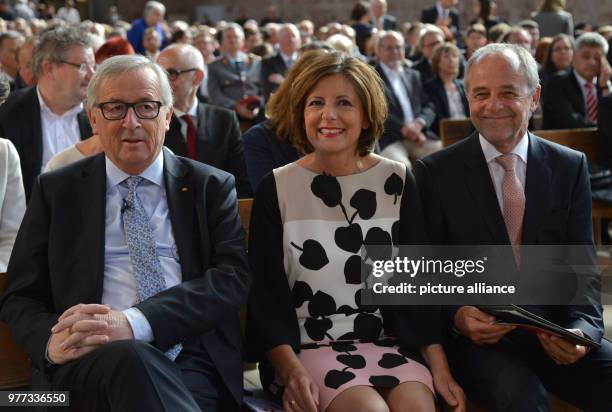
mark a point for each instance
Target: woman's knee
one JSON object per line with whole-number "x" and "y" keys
{"x": 411, "y": 396}
{"x": 358, "y": 399}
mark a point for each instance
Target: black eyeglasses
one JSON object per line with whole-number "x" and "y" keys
{"x": 148, "y": 109}
{"x": 83, "y": 67}
{"x": 173, "y": 74}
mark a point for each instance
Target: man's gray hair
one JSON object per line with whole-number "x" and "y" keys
{"x": 521, "y": 60}
{"x": 383, "y": 34}
{"x": 593, "y": 39}
{"x": 118, "y": 65}
{"x": 155, "y": 5}
{"x": 5, "y": 87}
{"x": 426, "y": 30}
{"x": 55, "y": 43}
{"x": 232, "y": 26}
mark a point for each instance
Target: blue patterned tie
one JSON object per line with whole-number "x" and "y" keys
{"x": 143, "y": 251}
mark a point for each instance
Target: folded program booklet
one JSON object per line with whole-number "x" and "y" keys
{"x": 517, "y": 316}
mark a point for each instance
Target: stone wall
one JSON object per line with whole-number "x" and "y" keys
{"x": 320, "y": 11}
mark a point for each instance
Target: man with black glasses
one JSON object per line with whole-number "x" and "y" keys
{"x": 43, "y": 120}
{"x": 129, "y": 267}
{"x": 209, "y": 134}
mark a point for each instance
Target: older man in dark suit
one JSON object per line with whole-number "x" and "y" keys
{"x": 505, "y": 186}
{"x": 571, "y": 98}
{"x": 275, "y": 68}
{"x": 128, "y": 269}
{"x": 41, "y": 121}
{"x": 406, "y": 136}
{"x": 203, "y": 132}
{"x": 444, "y": 13}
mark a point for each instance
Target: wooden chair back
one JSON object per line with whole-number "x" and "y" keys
{"x": 583, "y": 140}
{"x": 453, "y": 130}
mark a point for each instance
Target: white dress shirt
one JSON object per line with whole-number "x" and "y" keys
{"x": 59, "y": 132}
{"x": 399, "y": 89}
{"x": 193, "y": 112}
{"x": 497, "y": 171}
{"x": 119, "y": 287}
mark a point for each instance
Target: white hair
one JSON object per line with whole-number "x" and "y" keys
{"x": 155, "y": 5}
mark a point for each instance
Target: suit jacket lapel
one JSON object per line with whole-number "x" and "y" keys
{"x": 84, "y": 127}
{"x": 32, "y": 134}
{"x": 180, "y": 195}
{"x": 537, "y": 187}
{"x": 480, "y": 185}
{"x": 385, "y": 79}
{"x": 92, "y": 199}
{"x": 577, "y": 92}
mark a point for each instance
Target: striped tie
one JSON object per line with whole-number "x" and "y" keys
{"x": 591, "y": 102}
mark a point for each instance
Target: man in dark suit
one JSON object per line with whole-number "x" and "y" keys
{"x": 497, "y": 187}
{"x": 42, "y": 121}
{"x": 275, "y": 68}
{"x": 128, "y": 269}
{"x": 10, "y": 42}
{"x": 570, "y": 98}
{"x": 202, "y": 132}
{"x": 380, "y": 19}
{"x": 406, "y": 134}
{"x": 444, "y": 13}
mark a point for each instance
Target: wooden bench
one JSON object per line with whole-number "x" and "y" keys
{"x": 453, "y": 130}
{"x": 14, "y": 364}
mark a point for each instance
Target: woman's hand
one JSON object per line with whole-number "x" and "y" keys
{"x": 301, "y": 392}
{"x": 450, "y": 390}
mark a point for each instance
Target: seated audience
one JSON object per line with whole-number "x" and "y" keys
{"x": 126, "y": 277}
{"x": 154, "y": 12}
{"x": 429, "y": 38}
{"x": 475, "y": 38}
{"x": 151, "y": 43}
{"x": 406, "y": 136}
{"x": 571, "y": 97}
{"x": 12, "y": 196}
{"x": 274, "y": 69}
{"x": 303, "y": 311}
{"x": 483, "y": 10}
{"x": 25, "y": 77}
{"x": 10, "y": 42}
{"x": 445, "y": 91}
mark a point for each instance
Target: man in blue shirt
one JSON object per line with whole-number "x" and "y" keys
{"x": 154, "y": 12}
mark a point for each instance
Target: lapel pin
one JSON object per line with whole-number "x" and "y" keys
{"x": 184, "y": 189}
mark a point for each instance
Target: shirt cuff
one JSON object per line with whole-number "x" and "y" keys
{"x": 140, "y": 325}
{"x": 422, "y": 121}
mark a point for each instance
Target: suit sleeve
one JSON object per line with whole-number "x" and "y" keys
{"x": 559, "y": 113}
{"x": 27, "y": 304}
{"x": 235, "y": 162}
{"x": 271, "y": 317}
{"x": 258, "y": 155}
{"x": 198, "y": 305}
{"x": 589, "y": 319}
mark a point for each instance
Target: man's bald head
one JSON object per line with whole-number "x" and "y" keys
{"x": 185, "y": 67}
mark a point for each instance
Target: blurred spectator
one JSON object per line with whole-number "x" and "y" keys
{"x": 206, "y": 45}
{"x": 306, "y": 28}
{"x": 411, "y": 38}
{"x": 475, "y": 38}
{"x": 242, "y": 16}
{"x": 553, "y": 19}
{"x": 26, "y": 77}
{"x": 69, "y": 13}
{"x": 444, "y": 14}
{"x": 429, "y": 38}
{"x": 116, "y": 46}
{"x": 534, "y": 31}
{"x": 153, "y": 16}
{"x": 113, "y": 15}
{"x": 558, "y": 57}
{"x": 341, "y": 43}
{"x": 571, "y": 97}
{"x": 380, "y": 19}
{"x": 518, "y": 35}
{"x": 252, "y": 38}
{"x": 497, "y": 32}
{"x": 582, "y": 27}
{"x": 406, "y": 136}
{"x": 360, "y": 18}
{"x": 269, "y": 33}
{"x": 263, "y": 50}
{"x": 151, "y": 42}
{"x": 23, "y": 10}
{"x": 234, "y": 77}
{"x": 271, "y": 16}
{"x": 445, "y": 91}
{"x": 274, "y": 69}
{"x": 22, "y": 26}
{"x": 181, "y": 36}
{"x": 484, "y": 14}
{"x": 10, "y": 42}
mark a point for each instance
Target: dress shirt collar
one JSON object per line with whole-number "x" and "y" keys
{"x": 193, "y": 110}
{"x": 154, "y": 173}
{"x": 47, "y": 110}
{"x": 239, "y": 58}
{"x": 491, "y": 153}
{"x": 442, "y": 12}
{"x": 286, "y": 58}
{"x": 391, "y": 72}
{"x": 582, "y": 81}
